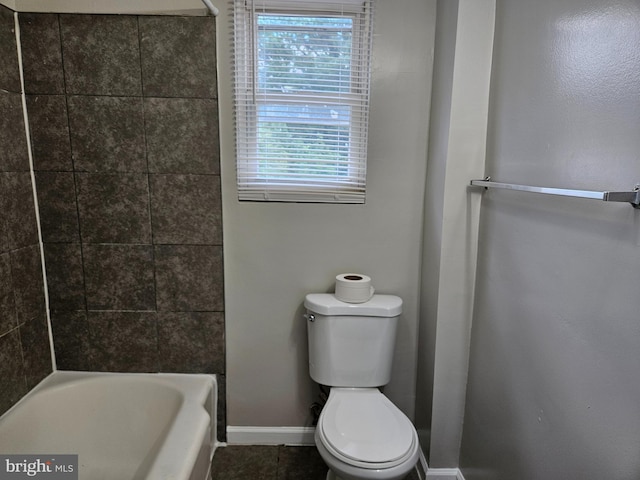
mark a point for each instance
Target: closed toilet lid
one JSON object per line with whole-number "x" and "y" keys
{"x": 365, "y": 426}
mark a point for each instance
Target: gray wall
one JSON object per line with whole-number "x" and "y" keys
{"x": 276, "y": 253}
{"x": 457, "y": 148}
{"x": 25, "y": 355}
{"x": 553, "y": 387}
{"x": 123, "y": 115}
{"x": 445, "y": 40}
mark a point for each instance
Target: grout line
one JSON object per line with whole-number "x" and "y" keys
{"x": 116, "y": 95}
{"x": 148, "y": 174}
{"x": 74, "y": 172}
{"x": 34, "y": 191}
{"x": 277, "y": 461}
{"x": 11, "y": 330}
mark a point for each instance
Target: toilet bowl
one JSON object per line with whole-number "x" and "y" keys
{"x": 362, "y": 435}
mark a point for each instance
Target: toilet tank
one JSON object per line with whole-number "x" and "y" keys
{"x": 351, "y": 344}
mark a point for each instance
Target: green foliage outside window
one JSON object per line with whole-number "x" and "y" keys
{"x": 299, "y": 56}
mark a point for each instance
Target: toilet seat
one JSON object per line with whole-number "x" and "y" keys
{"x": 363, "y": 428}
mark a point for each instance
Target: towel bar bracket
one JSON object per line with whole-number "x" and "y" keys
{"x": 632, "y": 197}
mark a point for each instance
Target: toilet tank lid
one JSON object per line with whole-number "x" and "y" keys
{"x": 377, "y": 306}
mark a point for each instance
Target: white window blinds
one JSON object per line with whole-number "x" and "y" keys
{"x": 302, "y": 99}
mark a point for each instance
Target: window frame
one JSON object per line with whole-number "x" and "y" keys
{"x": 249, "y": 98}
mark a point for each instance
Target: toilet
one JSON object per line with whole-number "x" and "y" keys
{"x": 360, "y": 434}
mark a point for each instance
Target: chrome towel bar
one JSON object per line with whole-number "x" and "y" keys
{"x": 632, "y": 197}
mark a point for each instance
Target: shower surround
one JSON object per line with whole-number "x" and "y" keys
{"x": 124, "y": 131}
{"x": 25, "y": 356}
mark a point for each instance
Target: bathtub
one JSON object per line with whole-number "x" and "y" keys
{"x": 121, "y": 426}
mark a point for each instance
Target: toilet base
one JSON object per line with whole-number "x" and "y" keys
{"x": 398, "y": 472}
{"x": 332, "y": 476}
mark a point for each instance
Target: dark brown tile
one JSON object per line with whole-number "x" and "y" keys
{"x": 119, "y": 277}
{"x": 49, "y": 128}
{"x": 221, "y": 414}
{"x": 186, "y": 209}
{"x": 191, "y": 342}
{"x": 14, "y": 156}
{"x": 182, "y": 135}
{"x": 292, "y": 463}
{"x": 36, "y": 350}
{"x": 41, "y": 53}
{"x": 178, "y": 56}
{"x": 413, "y": 475}
{"x": 28, "y": 284}
{"x": 114, "y": 208}
{"x": 4, "y": 215}
{"x": 107, "y": 134}
{"x": 12, "y": 386}
{"x": 101, "y": 54}
{"x": 189, "y": 278}
{"x": 7, "y": 313}
{"x": 71, "y": 340}
{"x": 17, "y": 211}
{"x": 65, "y": 278}
{"x": 57, "y": 204}
{"x": 245, "y": 463}
{"x": 8, "y": 319}
{"x": 123, "y": 341}
{"x": 9, "y": 70}
{"x": 300, "y": 462}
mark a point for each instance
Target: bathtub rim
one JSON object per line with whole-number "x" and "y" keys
{"x": 197, "y": 388}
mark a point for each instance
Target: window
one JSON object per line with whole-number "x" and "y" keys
{"x": 302, "y": 99}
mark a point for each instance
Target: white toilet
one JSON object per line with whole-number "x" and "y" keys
{"x": 360, "y": 434}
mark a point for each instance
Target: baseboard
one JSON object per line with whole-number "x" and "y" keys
{"x": 444, "y": 474}
{"x": 303, "y": 436}
{"x": 437, "y": 473}
{"x": 270, "y": 435}
{"x": 421, "y": 466}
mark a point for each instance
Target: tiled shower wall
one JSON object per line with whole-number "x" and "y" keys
{"x": 25, "y": 356}
{"x": 124, "y": 120}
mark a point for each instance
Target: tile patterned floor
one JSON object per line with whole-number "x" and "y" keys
{"x": 267, "y": 463}
{"x": 270, "y": 463}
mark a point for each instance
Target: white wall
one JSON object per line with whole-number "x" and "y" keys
{"x": 276, "y": 253}
{"x": 553, "y": 387}
{"x": 120, "y": 7}
{"x": 443, "y": 65}
{"x": 464, "y": 44}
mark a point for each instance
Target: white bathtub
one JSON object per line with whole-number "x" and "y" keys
{"x": 121, "y": 426}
